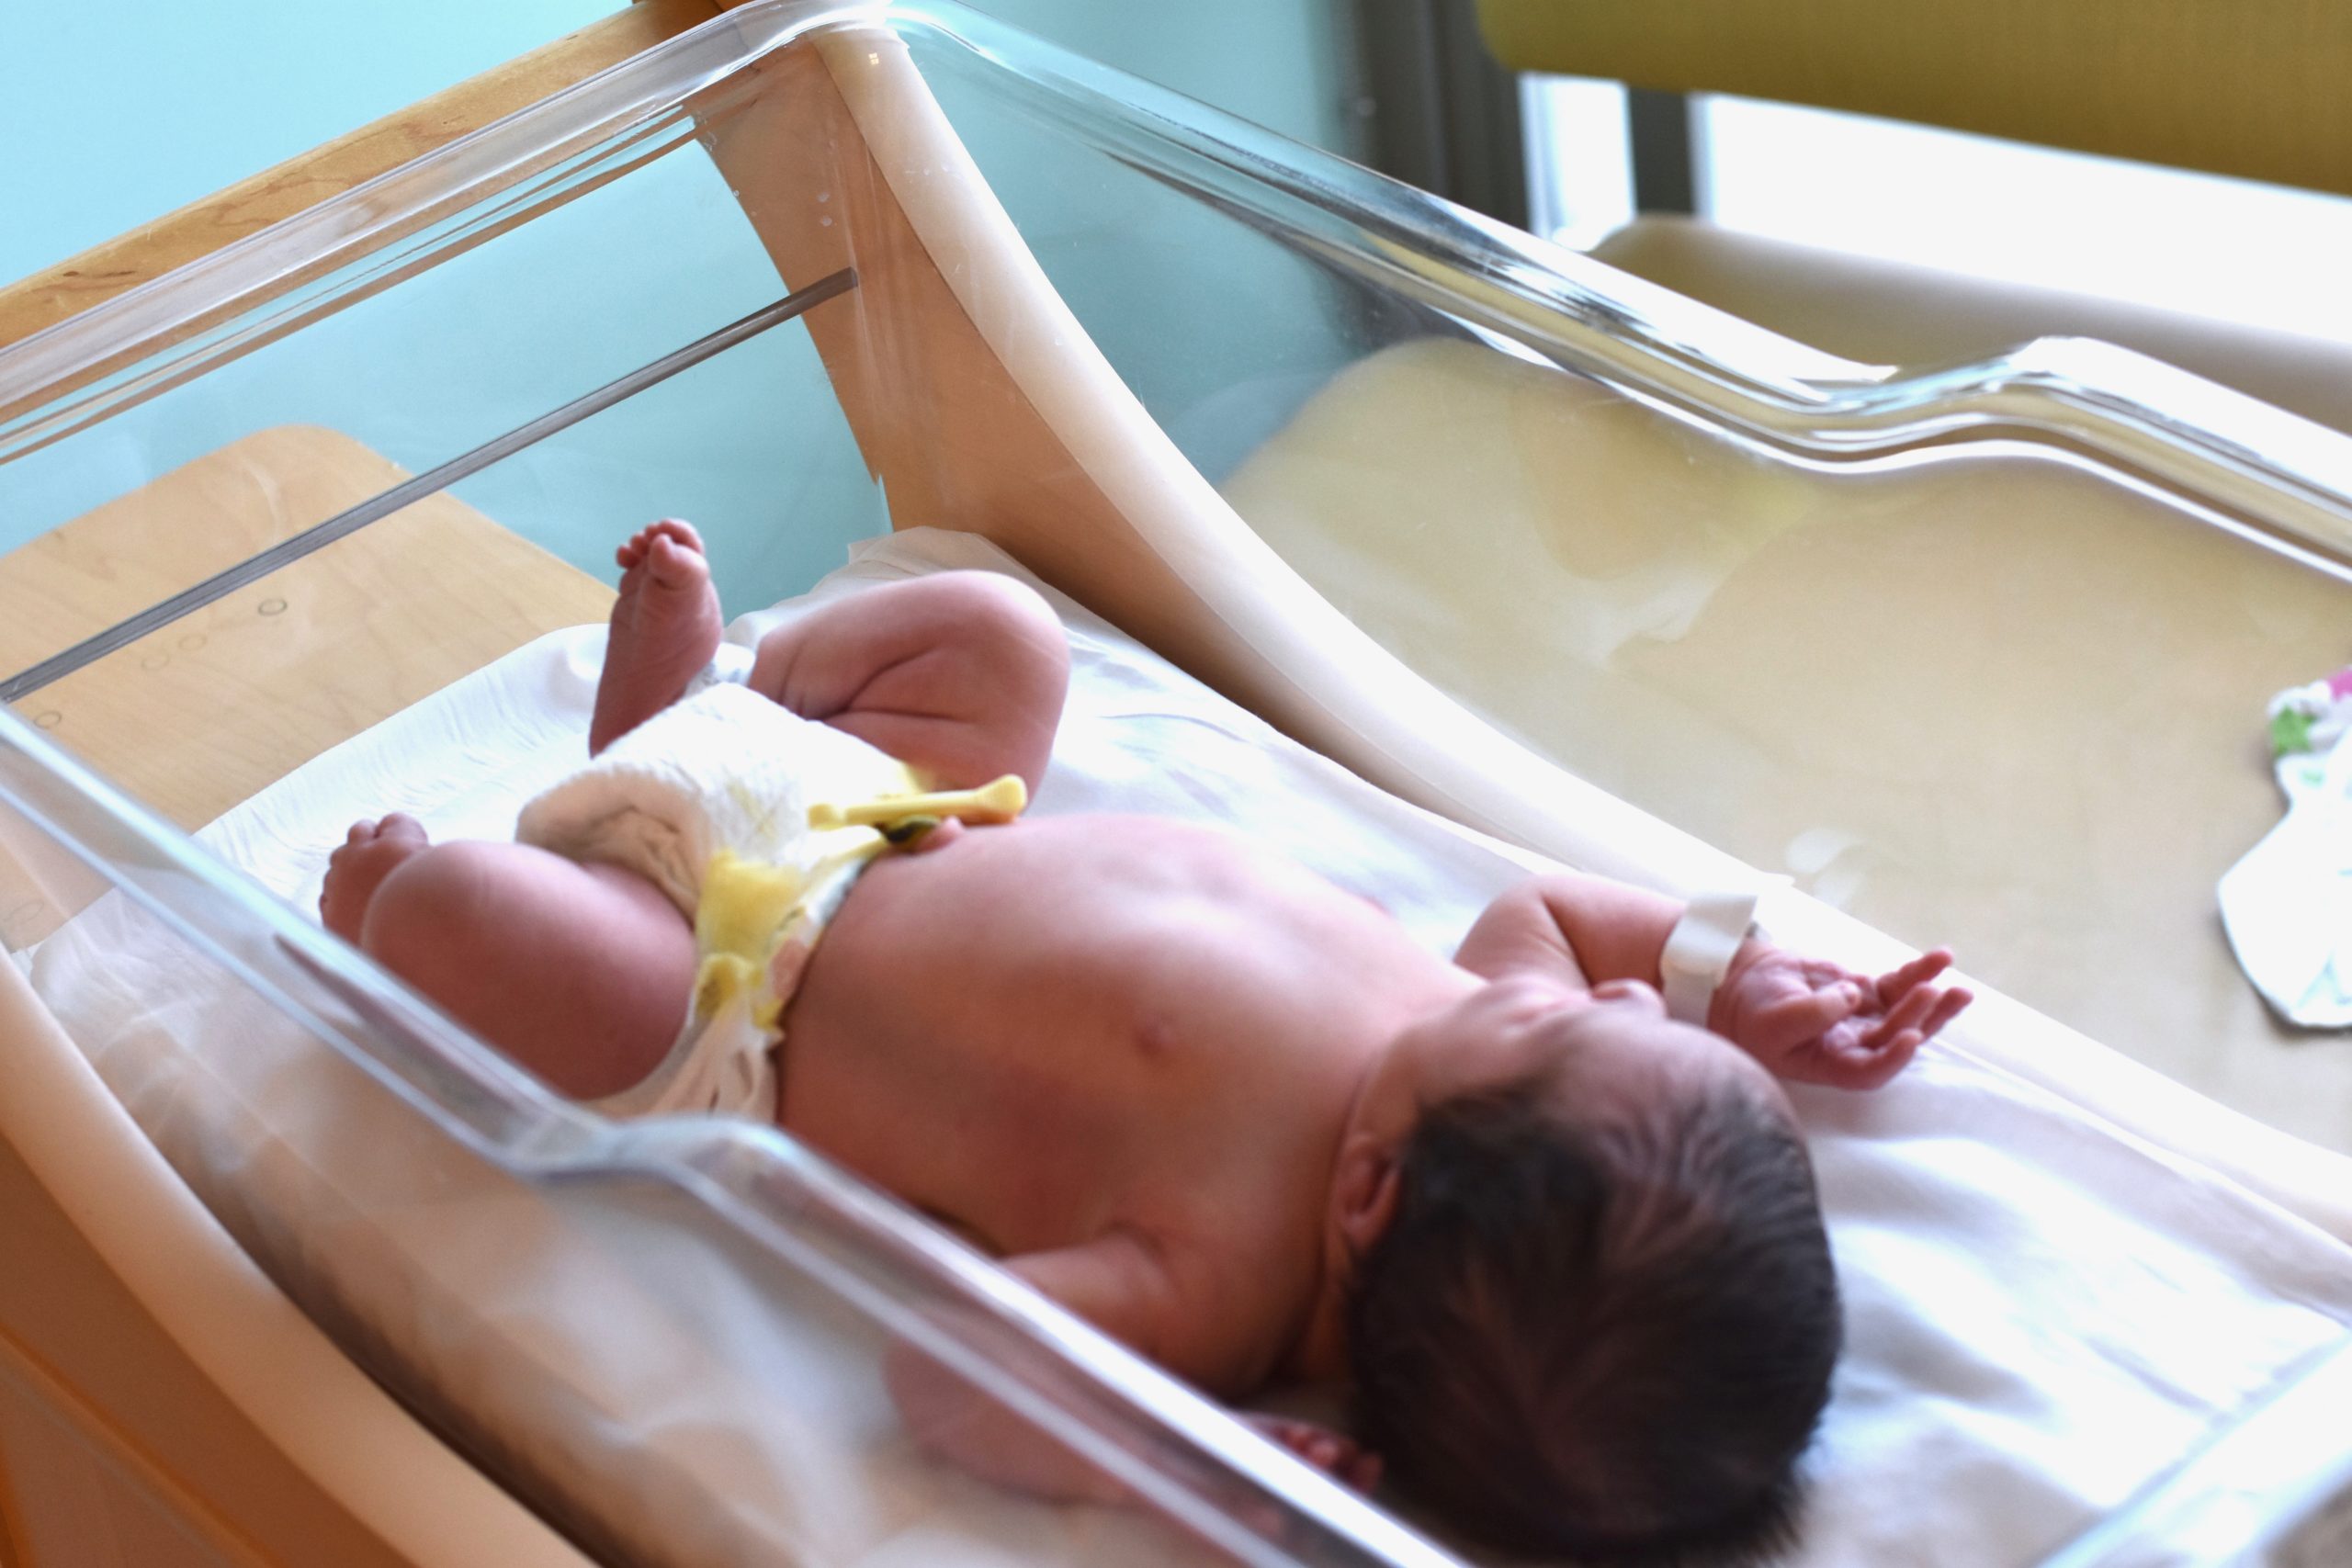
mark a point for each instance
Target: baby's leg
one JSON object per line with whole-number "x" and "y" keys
{"x": 580, "y": 972}
{"x": 961, "y": 675}
{"x": 665, "y": 628}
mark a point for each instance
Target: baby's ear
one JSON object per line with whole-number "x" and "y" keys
{"x": 1365, "y": 1191}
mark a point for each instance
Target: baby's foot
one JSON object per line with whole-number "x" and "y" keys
{"x": 369, "y": 853}
{"x": 666, "y": 628}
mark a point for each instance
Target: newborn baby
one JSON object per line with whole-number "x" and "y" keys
{"x": 1566, "y": 1250}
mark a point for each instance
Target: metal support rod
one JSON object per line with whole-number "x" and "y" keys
{"x": 1665, "y": 169}
{"x": 1443, "y": 114}
{"x": 253, "y": 567}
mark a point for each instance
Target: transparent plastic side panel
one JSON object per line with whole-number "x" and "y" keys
{"x": 457, "y": 335}
{"x": 183, "y": 497}
{"x": 1993, "y": 701}
{"x": 1988, "y": 693}
{"x": 683, "y": 1342}
{"x": 1210, "y": 315}
{"x": 2274, "y": 1491}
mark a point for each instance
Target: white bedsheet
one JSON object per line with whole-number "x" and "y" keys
{"x": 2043, "y": 1314}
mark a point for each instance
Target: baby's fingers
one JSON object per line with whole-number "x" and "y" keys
{"x": 1339, "y": 1456}
{"x": 1909, "y": 1015}
{"x": 1888, "y": 1045}
{"x": 1875, "y": 1061}
{"x": 1948, "y": 1008}
{"x": 1334, "y": 1453}
{"x": 1899, "y": 982}
{"x": 1814, "y": 1013}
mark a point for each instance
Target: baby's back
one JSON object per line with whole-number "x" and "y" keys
{"x": 1042, "y": 1030}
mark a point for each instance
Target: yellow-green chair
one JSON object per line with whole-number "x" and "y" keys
{"x": 2253, "y": 88}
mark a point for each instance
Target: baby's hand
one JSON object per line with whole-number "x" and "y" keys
{"x": 1814, "y": 1021}
{"x": 1334, "y": 1453}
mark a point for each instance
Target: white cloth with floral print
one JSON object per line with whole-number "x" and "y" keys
{"x": 2287, "y": 905}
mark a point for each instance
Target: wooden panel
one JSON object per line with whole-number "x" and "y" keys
{"x": 197, "y": 716}
{"x": 99, "y": 1415}
{"x": 162, "y": 1403}
{"x": 147, "y": 252}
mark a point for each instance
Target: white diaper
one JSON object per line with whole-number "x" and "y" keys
{"x": 708, "y": 800}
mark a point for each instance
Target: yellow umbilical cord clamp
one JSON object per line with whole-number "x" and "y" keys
{"x": 744, "y": 905}
{"x": 999, "y": 800}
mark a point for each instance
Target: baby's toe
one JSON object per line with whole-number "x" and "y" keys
{"x": 665, "y": 559}
{"x": 648, "y": 543}
{"x": 674, "y": 564}
{"x": 678, "y": 531}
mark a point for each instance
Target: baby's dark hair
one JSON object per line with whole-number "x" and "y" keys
{"x": 1608, "y": 1340}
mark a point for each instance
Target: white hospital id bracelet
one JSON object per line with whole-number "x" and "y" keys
{"x": 1699, "y": 950}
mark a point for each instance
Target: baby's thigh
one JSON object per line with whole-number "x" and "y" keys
{"x": 961, "y": 673}
{"x": 580, "y": 974}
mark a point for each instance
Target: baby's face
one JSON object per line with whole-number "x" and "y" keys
{"x": 1587, "y": 1046}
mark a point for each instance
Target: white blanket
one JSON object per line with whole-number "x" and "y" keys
{"x": 2043, "y": 1314}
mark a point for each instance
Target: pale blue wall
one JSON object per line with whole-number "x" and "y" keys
{"x": 104, "y": 124}
{"x": 1284, "y": 63}
{"x": 111, "y": 114}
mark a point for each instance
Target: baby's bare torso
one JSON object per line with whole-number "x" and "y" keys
{"x": 1040, "y": 1032}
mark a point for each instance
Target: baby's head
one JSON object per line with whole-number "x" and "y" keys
{"x": 1590, "y": 1309}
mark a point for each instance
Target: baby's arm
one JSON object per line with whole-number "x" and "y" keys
{"x": 1120, "y": 1284}
{"x": 1581, "y": 929}
{"x": 1805, "y": 1019}
{"x": 1165, "y": 1306}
